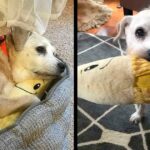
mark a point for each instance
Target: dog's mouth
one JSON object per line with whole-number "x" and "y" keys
{"x": 148, "y": 59}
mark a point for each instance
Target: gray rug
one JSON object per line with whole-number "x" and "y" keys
{"x": 107, "y": 127}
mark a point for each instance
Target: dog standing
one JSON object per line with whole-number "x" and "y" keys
{"x": 136, "y": 30}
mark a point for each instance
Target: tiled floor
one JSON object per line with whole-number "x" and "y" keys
{"x": 107, "y": 127}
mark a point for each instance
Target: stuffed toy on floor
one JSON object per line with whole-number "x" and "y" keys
{"x": 116, "y": 80}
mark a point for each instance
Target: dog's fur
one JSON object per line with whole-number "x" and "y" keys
{"x": 128, "y": 26}
{"x": 139, "y": 46}
{"x": 36, "y": 58}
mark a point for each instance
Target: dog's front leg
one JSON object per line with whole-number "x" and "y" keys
{"x": 10, "y": 105}
{"x": 138, "y": 114}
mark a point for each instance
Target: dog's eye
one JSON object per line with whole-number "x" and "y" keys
{"x": 140, "y": 33}
{"x": 41, "y": 50}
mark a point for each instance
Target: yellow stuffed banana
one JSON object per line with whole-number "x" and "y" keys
{"x": 36, "y": 87}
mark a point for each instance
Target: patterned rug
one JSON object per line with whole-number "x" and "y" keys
{"x": 107, "y": 127}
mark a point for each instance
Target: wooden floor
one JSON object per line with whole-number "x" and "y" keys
{"x": 110, "y": 26}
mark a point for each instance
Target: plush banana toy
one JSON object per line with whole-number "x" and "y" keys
{"x": 116, "y": 80}
{"x": 36, "y": 87}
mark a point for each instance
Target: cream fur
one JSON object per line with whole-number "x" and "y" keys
{"x": 113, "y": 84}
{"x": 27, "y": 61}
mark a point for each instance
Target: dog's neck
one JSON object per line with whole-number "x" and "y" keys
{"x": 19, "y": 73}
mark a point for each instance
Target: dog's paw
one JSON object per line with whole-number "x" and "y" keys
{"x": 136, "y": 117}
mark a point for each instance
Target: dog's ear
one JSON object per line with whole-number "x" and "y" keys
{"x": 121, "y": 27}
{"x": 19, "y": 37}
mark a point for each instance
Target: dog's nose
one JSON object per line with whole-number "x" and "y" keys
{"x": 61, "y": 67}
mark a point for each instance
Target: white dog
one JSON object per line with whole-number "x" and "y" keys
{"x": 136, "y": 30}
{"x": 36, "y": 58}
{"x": 99, "y": 81}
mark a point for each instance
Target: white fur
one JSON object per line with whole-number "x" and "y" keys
{"x": 28, "y": 60}
{"x": 138, "y": 114}
{"x": 135, "y": 45}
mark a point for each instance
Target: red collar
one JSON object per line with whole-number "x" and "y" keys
{"x": 3, "y": 45}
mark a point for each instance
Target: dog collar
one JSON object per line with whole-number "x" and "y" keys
{"x": 3, "y": 46}
{"x": 141, "y": 71}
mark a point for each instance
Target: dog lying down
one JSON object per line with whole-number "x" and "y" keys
{"x": 35, "y": 60}
{"x": 124, "y": 79}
